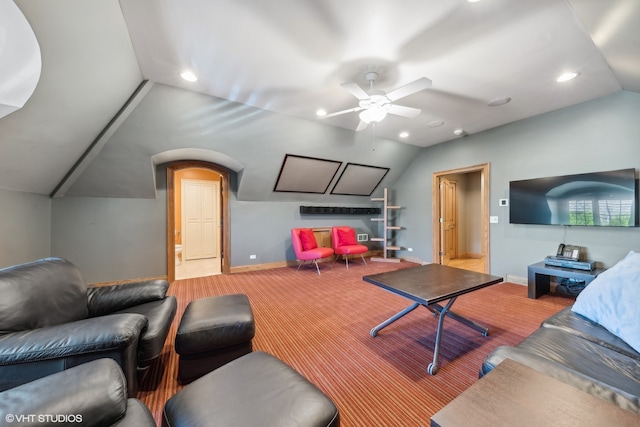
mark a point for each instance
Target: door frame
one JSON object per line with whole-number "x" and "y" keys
{"x": 224, "y": 213}
{"x": 484, "y": 170}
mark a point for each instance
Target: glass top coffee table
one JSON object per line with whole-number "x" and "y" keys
{"x": 428, "y": 285}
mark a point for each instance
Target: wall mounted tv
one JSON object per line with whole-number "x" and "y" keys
{"x": 608, "y": 199}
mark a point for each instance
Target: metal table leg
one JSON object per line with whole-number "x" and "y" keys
{"x": 436, "y": 309}
{"x": 441, "y": 312}
{"x": 392, "y": 319}
{"x": 433, "y": 366}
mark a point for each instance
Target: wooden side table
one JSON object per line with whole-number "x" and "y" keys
{"x": 516, "y": 395}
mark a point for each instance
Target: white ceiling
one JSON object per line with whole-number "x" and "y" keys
{"x": 291, "y": 56}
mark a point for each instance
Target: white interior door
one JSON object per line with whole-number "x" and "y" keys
{"x": 201, "y": 219}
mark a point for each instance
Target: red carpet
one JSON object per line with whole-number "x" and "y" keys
{"x": 320, "y": 326}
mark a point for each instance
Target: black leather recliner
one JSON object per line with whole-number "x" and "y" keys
{"x": 92, "y": 394}
{"x": 50, "y": 321}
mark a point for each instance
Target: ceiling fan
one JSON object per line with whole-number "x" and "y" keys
{"x": 374, "y": 105}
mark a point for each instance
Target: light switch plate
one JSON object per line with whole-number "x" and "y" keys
{"x": 493, "y": 219}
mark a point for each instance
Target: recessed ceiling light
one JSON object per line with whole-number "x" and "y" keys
{"x": 189, "y": 76}
{"x": 473, "y": 1}
{"x": 458, "y": 132}
{"x": 567, "y": 76}
{"x": 321, "y": 113}
{"x": 499, "y": 101}
{"x": 435, "y": 123}
{"x": 403, "y": 134}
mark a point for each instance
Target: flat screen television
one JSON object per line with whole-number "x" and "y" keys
{"x": 607, "y": 199}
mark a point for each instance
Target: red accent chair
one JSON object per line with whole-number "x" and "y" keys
{"x": 344, "y": 243}
{"x": 306, "y": 247}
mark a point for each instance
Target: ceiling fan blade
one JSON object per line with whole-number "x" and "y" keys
{"x": 409, "y": 89}
{"x": 355, "y": 90}
{"x": 361, "y": 126}
{"x": 400, "y": 110}
{"x": 337, "y": 113}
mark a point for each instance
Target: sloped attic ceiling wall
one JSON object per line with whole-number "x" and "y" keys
{"x": 169, "y": 118}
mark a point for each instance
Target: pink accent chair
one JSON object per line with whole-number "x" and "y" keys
{"x": 306, "y": 247}
{"x": 343, "y": 240}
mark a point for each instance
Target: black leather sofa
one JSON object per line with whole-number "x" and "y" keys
{"x": 593, "y": 345}
{"x": 579, "y": 352}
{"x": 92, "y": 394}
{"x": 51, "y": 321}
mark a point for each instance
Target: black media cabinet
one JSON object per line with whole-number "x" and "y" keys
{"x": 539, "y": 276}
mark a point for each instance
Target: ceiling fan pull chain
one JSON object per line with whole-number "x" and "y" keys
{"x": 373, "y": 136}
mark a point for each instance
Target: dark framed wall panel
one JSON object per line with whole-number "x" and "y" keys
{"x": 359, "y": 180}
{"x": 300, "y": 174}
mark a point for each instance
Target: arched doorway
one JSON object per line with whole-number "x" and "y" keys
{"x": 225, "y": 250}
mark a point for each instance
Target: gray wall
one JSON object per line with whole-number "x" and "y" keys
{"x": 110, "y": 238}
{"x": 25, "y": 227}
{"x": 599, "y": 135}
{"x": 122, "y": 238}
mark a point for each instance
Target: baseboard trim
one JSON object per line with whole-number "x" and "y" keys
{"x": 289, "y": 263}
{"x": 415, "y": 260}
{"x": 265, "y": 266}
{"x": 517, "y": 280}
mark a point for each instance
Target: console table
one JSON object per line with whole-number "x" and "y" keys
{"x": 539, "y": 276}
{"x": 513, "y": 394}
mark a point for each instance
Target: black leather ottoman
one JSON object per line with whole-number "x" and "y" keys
{"x": 213, "y": 331}
{"x": 257, "y": 389}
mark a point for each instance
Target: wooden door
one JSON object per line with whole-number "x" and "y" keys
{"x": 201, "y": 219}
{"x": 448, "y": 220}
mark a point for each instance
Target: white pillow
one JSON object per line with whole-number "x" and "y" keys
{"x": 613, "y": 300}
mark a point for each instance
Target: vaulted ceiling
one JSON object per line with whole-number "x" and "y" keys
{"x": 111, "y": 68}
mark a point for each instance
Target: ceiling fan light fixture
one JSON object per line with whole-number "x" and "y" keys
{"x": 373, "y": 115}
{"x": 374, "y": 104}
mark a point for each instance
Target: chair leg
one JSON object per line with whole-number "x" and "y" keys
{"x": 315, "y": 262}
{"x": 363, "y": 260}
{"x": 346, "y": 260}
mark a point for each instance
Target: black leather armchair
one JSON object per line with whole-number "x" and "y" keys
{"x": 92, "y": 394}
{"x": 51, "y": 321}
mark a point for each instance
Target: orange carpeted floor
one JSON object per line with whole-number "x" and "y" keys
{"x": 320, "y": 326}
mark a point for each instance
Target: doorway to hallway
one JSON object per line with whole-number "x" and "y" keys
{"x": 197, "y": 220}
{"x": 460, "y": 200}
